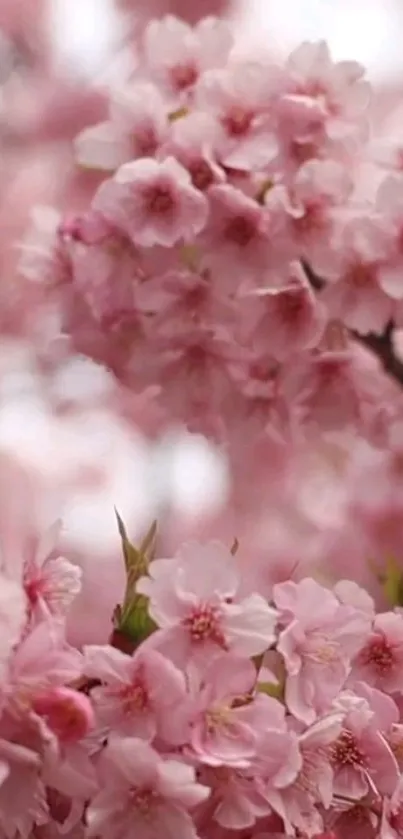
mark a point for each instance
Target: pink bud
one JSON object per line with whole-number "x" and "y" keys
{"x": 68, "y": 714}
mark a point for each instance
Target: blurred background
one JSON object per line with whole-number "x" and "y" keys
{"x": 84, "y": 441}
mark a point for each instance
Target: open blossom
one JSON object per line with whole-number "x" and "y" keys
{"x": 154, "y": 203}
{"x": 144, "y": 793}
{"x": 194, "y": 600}
{"x": 177, "y": 54}
{"x": 361, "y": 757}
{"x": 379, "y": 662}
{"x": 287, "y": 319}
{"x": 228, "y": 717}
{"x": 142, "y": 695}
{"x": 318, "y": 642}
{"x": 137, "y": 127}
{"x": 51, "y": 582}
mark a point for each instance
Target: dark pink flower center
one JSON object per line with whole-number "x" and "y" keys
{"x": 361, "y": 276}
{"x": 184, "y": 76}
{"x": 290, "y": 306}
{"x": 203, "y": 624}
{"x": 143, "y": 800}
{"x": 240, "y": 230}
{"x": 237, "y": 121}
{"x": 159, "y": 200}
{"x": 346, "y": 751}
{"x": 145, "y": 142}
{"x": 378, "y": 654}
{"x": 396, "y": 820}
{"x": 201, "y": 174}
{"x": 133, "y": 697}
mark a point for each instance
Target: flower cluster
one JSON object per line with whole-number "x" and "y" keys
{"x": 234, "y": 253}
{"x": 212, "y": 711}
{"x": 237, "y": 266}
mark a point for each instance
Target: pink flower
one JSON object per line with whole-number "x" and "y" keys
{"x": 239, "y": 97}
{"x": 325, "y": 99}
{"x": 177, "y": 54}
{"x": 144, "y": 793}
{"x": 229, "y": 718}
{"x": 353, "y": 265}
{"x": 318, "y": 643}
{"x": 137, "y": 127}
{"x": 194, "y": 599}
{"x": 67, "y": 713}
{"x": 380, "y": 661}
{"x": 237, "y": 238}
{"x": 192, "y": 142}
{"x": 143, "y": 695}
{"x": 154, "y": 203}
{"x": 361, "y": 757}
{"x": 285, "y": 320}
{"x": 51, "y": 582}
{"x": 297, "y": 803}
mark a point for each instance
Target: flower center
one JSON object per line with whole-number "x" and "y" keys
{"x": 201, "y": 174}
{"x": 143, "y": 800}
{"x": 184, "y": 75}
{"x": 134, "y": 698}
{"x": 378, "y": 654}
{"x": 237, "y": 121}
{"x": 345, "y": 751}
{"x": 203, "y": 625}
{"x": 159, "y": 200}
{"x": 240, "y": 230}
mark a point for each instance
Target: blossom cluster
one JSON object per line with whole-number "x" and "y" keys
{"x": 212, "y": 711}
{"x": 238, "y": 257}
{"x": 245, "y": 234}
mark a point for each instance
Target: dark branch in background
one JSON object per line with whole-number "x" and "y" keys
{"x": 380, "y": 345}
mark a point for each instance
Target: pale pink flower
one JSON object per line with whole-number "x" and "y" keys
{"x": 297, "y": 803}
{"x": 137, "y": 126}
{"x": 318, "y": 642}
{"x": 51, "y": 582}
{"x": 154, "y": 203}
{"x": 177, "y": 54}
{"x": 144, "y": 793}
{"x": 380, "y": 661}
{"x": 192, "y": 142}
{"x": 142, "y": 695}
{"x": 229, "y": 718}
{"x": 319, "y": 190}
{"x": 194, "y": 599}
{"x": 361, "y": 757}
{"x": 287, "y": 319}
{"x": 240, "y": 99}
{"x": 323, "y": 99}
{"x": 238, "y": 237}
{"x": 355, "y": 293}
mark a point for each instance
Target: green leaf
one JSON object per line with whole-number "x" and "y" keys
{"x": 131, "y": 555}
